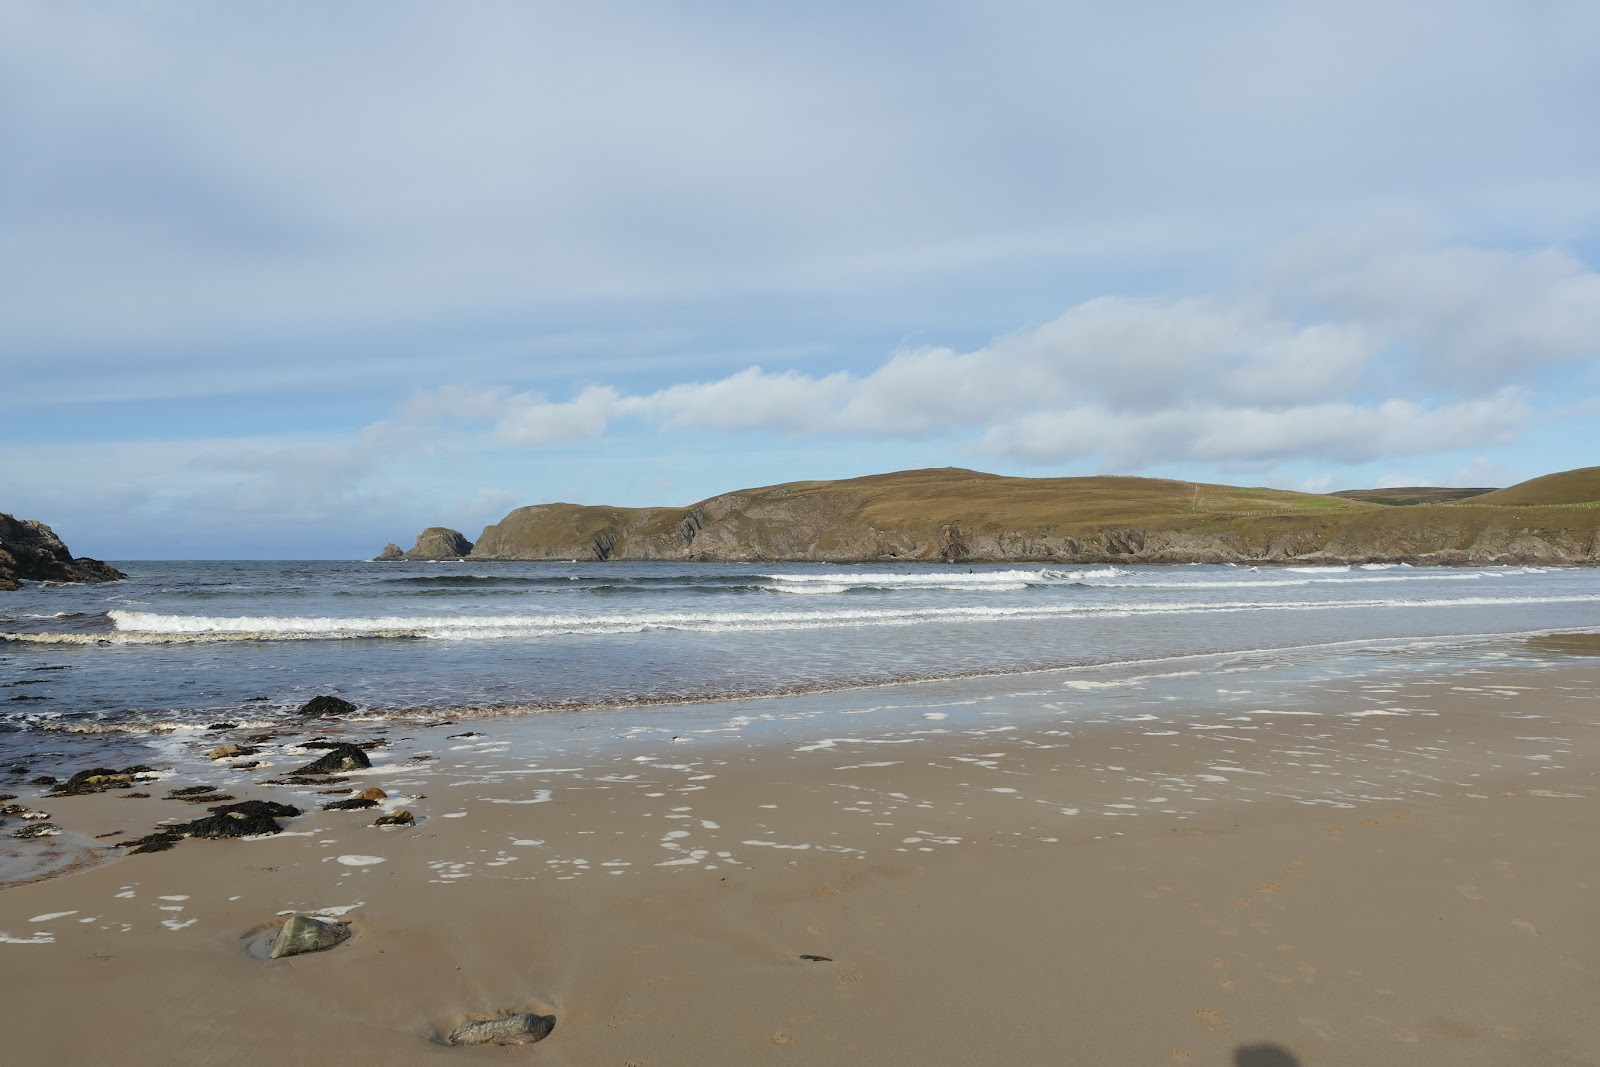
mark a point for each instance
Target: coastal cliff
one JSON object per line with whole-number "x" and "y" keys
{"x": 962, "y": 516}
{"x": 31, "y": 551}
{"x": 434, "y": 543}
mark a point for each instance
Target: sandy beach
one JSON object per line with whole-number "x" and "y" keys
{"x": 1251, "y": 869}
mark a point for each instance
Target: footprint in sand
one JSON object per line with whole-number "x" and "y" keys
{"x": 1507, "y": 1031}
{"x": 781, "y": 1038}
{"x": 1182, "y": 1055}
{"x": 1470, "y": 891}
{"x": 1526, "y": 927}
{"x": 853, "y": 978}
{"x": 1371, "y": 822}
{"x": 1270, "y": 887}
{"x": 1244, "y": 902}
{"x": 1209, "y": 1016}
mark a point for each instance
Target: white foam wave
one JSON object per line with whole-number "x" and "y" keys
{"x": 974, "y": 580}
{"x": 148, "y": 628}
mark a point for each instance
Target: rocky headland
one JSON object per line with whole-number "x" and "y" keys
{"x": 30, "y": 551}
{"x": 962, "y": 516}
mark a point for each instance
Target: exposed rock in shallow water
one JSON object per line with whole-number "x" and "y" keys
{"x": 326, "y": 705}
{"x": 399, "y": 818}
{"x": 392, "y": 553}
{"x": 244, "y": 819}
{"x": 372, "y": 793}
{"x": 227, "y": 752}
{"x": 159, "y": 841}
{"x": 38, "y": 829}
{"x": 523, "y": 1029}
{"x": 306, "y": 933}
{"x": 30, "y": 550}
{"x": 338, "y": 758}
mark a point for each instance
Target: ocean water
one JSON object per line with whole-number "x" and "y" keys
{"x": 187, "y": 643}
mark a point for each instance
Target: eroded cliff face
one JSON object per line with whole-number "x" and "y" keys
{"x": 31, "y": 551}
{"x": 969, "y": 517}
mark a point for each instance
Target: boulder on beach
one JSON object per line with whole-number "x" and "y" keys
{"x": 521, "y": 1029}
{"x": 31, "y": 551}
{"x": 336, "y": 759}
{"x": 327, "y": 705}
{"x": 307, "y": 933}
{"x": 399, "y": 818}
{"x": 353, "y": 804}
{"x": 372, "y": 792}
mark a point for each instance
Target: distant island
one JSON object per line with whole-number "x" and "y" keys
{"x": 954, "y": 515}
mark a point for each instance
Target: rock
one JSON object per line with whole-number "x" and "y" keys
{"x": 159, "y": 841}
{"x": 372, "y": 793}
{"x": 31, "y": 551}
{"x": 99, "y": 779}
{"x": 340, "y": 758}
{"x": 223, "y": 726}
{"x": 244, "y": 819}
{"x": 352, "y": 804}
{"x": 38, "y": 829}
{"x": 522, "y": 1029}
{"x": 399, "y": 818}
{"x": 326, "y": 705}
{"x": 439, "y": 542}
{"x": 43, "y": 779}
{"x": 226, "y": 752}
{"x": 305, "y": 933}
{"x": 392, "y": 553}
{"x": 190, "y": 791}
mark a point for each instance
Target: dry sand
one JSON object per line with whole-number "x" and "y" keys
{"x": 1391, "y": 870}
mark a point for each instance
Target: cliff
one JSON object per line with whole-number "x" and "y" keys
{"x": 30, "y": 551}
{"x": 956, "y": 515}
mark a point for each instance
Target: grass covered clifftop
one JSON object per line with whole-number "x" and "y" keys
{"x": 955, "y": 515}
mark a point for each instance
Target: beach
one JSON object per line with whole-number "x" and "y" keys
{"x": 1378, "y": 859}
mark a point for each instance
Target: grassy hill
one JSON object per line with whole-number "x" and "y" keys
{"x": 1581, "y": 486}
{"x": 954, "y": 514}
{"x": 1415, "y": 494}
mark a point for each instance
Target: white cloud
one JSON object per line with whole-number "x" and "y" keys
{"x": 1246, "y": 377}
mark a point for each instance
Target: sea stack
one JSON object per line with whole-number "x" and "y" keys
{"x": 434, "y": 543}
{"x": 30, "y": 550}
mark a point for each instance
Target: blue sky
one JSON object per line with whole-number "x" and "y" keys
{"x": 296, "y": 279}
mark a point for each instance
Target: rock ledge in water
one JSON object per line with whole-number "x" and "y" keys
{"x": 306, "y": 933}
{"x": 523, "y": 1029}
{"x": 31, "y": 550}
{"x": 244, "y": 819}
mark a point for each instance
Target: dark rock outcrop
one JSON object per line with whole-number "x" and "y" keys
{"x": 326, "y": 705}
{"x": 244, "y": 819}
{"x": 336, "y": 759}
{"x": 30, "y": 551}
{"x": 100, "y": 779}
{"x": 392, "y": 553}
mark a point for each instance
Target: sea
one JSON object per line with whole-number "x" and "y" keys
{"x": 179, "y": 645}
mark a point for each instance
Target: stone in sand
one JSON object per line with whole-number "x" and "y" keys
{"x": 338, "y": 758}
{"x": 372, "y": 793}
{"x": 225, "y": 752}
{"x": 304, "y": 933}
{"x": 244, "y": 819}
{"x": 326, "y": 705}
{"x": 399, "y": 818}
{"x": 523, "y": 1029}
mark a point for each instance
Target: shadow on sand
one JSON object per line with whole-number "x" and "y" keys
{"x": 1263, "y": 1056}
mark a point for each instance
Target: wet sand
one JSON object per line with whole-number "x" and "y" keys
{"x": 1396, "y": 869}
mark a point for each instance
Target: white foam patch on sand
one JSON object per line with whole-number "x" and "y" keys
{"x": 935, "y": 716}
{"x": 360, "y": 861}
{"x": 527, "y": 842}
{"x": 774, "y": 844}
{"x": 39, "y": 938}
{"x": 177, "y": 898}
{"x": 174, "y": 924}
{"x": 47, "y": 916}
{"x": 540, "y": 796}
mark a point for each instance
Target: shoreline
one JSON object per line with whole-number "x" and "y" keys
{"x": 1275, "y": 828}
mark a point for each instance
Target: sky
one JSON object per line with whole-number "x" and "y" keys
{"x": 294, "y": 279}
